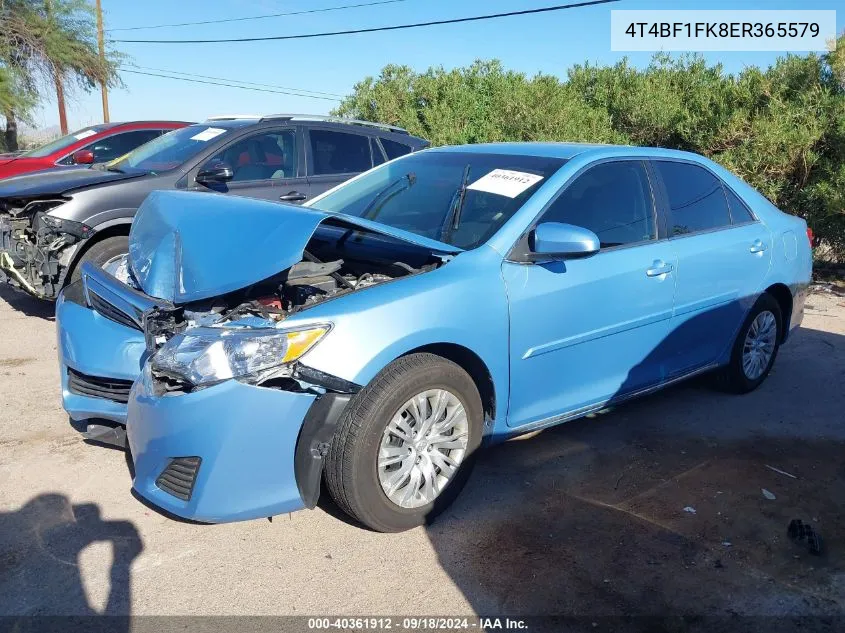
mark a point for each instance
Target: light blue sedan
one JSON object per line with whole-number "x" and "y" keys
{"x": 450, "y": 298}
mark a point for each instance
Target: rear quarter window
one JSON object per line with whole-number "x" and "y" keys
{"x": 739, "y": 210}
{"x": 696, "y": 198}
{"x": 394, "y": 149}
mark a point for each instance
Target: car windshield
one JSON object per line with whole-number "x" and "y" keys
{"x": 63, "y": 142}
{"x": 460, "y": 198}
{"x": 168, "y": 151}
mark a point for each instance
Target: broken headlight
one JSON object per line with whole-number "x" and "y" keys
{"x": 205, "y": 356}
{"x": 119, "y": 269}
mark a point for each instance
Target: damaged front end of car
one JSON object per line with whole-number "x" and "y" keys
{"x": 36, "y": 248}
{"x": 243, "y": 335}
{"x": 215, "y": 315}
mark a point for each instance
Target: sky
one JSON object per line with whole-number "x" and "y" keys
{"x": 548, "y": 43}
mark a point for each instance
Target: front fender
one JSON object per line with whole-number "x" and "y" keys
{"x": 462, "y": 303}
{"x": 74, "y": 253}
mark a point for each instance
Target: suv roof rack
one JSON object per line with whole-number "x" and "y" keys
{"x": 333, "y": 119}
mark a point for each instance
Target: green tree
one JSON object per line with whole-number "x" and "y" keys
{"x": 49, "y": 45}
{"x": 782, "y": 128}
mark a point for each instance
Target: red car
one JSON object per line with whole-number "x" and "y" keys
{"x": 94, "y": 144}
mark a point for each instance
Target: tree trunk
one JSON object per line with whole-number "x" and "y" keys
{"x": 60, "y": 100}
{"x": 11, "y": 134}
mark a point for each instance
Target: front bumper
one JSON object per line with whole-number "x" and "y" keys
{"x": 248, "y": 440}
{"x": 93, "y": 345}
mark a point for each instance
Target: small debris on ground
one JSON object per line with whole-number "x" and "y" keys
{"x": 727, "y": 543}
{"x": 769, "y": 495}
{"x": 782, "y": 472}
{"x": 689, "y": 509}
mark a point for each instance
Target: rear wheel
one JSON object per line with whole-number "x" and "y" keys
{"x": 755, "y": 348}
{"x": 406, "y": 443}
{"x": 101, "y": 253}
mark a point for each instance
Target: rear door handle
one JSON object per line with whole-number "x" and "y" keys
{"x": 757, "y": 247}
{"x": 659, "y": 267}
{"x": 293, "y": 196}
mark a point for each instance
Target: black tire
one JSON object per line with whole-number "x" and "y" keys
{"x": 351, "y": 474}
{"x": 101, "y": 252}
{"x": 732, "y": 377}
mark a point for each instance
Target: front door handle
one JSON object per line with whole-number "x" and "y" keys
{"x": 757, "y": 247}
{"x": 293, "y": 196}
{"x": 659, "y": 267}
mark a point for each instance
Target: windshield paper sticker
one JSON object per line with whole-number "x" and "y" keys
{"x": 84, "y": 134}
{"x": 207, "y": 134}
{"x": 504, "y": 182}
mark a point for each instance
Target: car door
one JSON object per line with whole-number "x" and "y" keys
{"x": 586, "y": 331}
{"x": 722, "y": 262}
{"x": 265, "y": 164}
{"x": 335, "y": 156}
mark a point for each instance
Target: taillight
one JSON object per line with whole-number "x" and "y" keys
{"x": 810, "y": 236}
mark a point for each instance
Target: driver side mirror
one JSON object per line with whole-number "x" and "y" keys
{"x": 215, "y": 172}
{"x": 83, "y": 157}
{"x": 556, "y": 240}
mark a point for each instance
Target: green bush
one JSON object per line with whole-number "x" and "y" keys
{"x": 782, "y": 129}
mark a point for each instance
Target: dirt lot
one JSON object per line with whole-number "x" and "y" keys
{"x": 585, "y": 519}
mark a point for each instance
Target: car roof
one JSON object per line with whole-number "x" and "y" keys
{"x": 567, "y": 150}
{"x": 235, "y": 121}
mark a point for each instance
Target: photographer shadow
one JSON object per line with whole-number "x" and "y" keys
{"x": 40, "y": 578}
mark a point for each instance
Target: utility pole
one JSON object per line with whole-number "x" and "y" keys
{"x": 102, "y": 47}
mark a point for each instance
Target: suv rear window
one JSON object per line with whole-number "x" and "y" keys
{"x": 394, "y": 149}
{"x": 339, "y": 152}
{"x": 696, "y": 198}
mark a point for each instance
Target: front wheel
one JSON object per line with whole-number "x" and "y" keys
{"x": 755, "y": 348}
{"x": 406, "y": 443}
{"x": 102, "y": 253}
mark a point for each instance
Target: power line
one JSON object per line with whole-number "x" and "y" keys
{"x": 217, "y": 83}
{"x": 237, "y": 81}
{"x": 396, "y": 27}
{"x": 260, "y": 17}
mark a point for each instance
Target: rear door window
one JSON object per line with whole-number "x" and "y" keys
{"x": 696, "y": 198}
{"x": 339, "y": 152}
{"x": 394, "y": 149}
{"x": 613, "y": 200}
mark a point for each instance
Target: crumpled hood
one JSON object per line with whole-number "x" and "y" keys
{"x": 187, "y": 246}
{"x": 56, "y": 181}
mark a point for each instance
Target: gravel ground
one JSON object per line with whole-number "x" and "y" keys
{"x": 585, "y": 519}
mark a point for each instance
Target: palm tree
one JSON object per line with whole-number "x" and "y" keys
{"x": 49, "y": 43}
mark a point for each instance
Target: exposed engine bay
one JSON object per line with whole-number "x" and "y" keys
{"x": 321, "y": 275}
{"x": 36, "y": 248}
